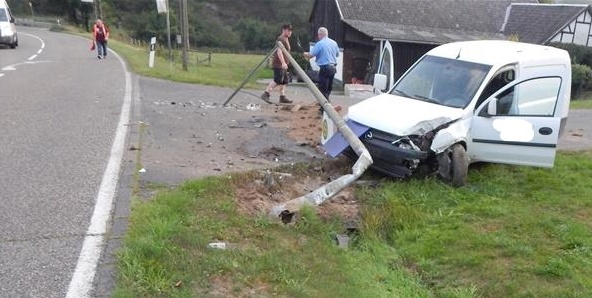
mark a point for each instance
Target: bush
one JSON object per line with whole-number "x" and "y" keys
{"x": 580, "y": 79}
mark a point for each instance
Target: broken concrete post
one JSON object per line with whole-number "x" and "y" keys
{"x": 285, "y": 211}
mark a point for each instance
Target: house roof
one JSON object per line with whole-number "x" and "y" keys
{"x": 415, "y": 34}
{"x": 427, "y": 21}
{"x": 539, "y": 23}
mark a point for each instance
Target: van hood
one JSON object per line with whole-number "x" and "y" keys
{"x": 401, "y": 116}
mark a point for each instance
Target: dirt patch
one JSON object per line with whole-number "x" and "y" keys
{"x": 257, "y": 193}
{"x": 267, "y": 188}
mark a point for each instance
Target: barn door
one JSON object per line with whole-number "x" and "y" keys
{"x": 386, "y": 65}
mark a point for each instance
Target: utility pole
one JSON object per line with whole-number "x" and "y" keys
{"x": 162, "y": 6}
{"x": 184, "y": 31}
{"x": 100, "y": 10}
{"x": 168, "y": 24}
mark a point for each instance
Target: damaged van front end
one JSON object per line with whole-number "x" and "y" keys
{"x": 417, "y": 134}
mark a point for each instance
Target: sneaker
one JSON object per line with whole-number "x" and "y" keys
{"x": 265, "y": 97}
{"x": 99, "y": 56}
{"x": 284, "y": 99}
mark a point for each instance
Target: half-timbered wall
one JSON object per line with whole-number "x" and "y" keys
{"x": 578, "y": 32}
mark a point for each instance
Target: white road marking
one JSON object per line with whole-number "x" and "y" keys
{"x": 13, "y": 67}
{"x": 82, "y": 280}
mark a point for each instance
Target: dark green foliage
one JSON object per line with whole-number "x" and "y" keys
{"x": 580, "y": 80}
{"x": 579, "y": 54}
{"x": 255, "y": 34}
{"x": 229, "y": 24}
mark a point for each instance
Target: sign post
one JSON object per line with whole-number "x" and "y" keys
{"x": 162, "y": 6}
{"x": 152, "y": 48}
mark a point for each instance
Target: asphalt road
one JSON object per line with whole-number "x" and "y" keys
{"x": 59, "y": 111}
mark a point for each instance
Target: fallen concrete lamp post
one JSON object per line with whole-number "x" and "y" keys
{"x": 286, "y": 211}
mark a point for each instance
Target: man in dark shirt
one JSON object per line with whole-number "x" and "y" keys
{"x": 280, "y": 68}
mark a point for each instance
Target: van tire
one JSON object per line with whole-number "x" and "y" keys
{"x": 459, "y": 165}
{"x": 453, "y": 165}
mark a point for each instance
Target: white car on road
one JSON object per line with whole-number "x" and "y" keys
{"x": 8, "y": 34}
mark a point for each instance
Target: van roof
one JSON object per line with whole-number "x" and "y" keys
{"x": 500, "y": 52}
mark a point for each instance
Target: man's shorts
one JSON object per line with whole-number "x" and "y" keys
{"x": 280, "y": 76}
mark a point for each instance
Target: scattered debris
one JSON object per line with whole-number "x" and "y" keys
{"x": 342, "y": 241}
{"x": 268, "y": 179}
{"x": 220, "y": 245}
{"x": 253, "y": 107}
{"x": 142, "y": 170}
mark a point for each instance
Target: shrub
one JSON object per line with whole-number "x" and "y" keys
{"x": 580, "y": 79}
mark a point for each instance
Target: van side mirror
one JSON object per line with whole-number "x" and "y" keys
{"x": 379, "y": 82}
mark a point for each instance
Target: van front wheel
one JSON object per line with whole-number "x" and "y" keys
{"x": 453, "y": 165}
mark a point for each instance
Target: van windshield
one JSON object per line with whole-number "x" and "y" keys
{"x": 3, "y": 17}
{"x": 442, "y": 81}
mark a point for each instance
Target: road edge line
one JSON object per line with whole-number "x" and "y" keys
{"x": 81, "y": 283}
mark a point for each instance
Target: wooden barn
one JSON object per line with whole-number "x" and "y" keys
{"x": 388, "y": 36}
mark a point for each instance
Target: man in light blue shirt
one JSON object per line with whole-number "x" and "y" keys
{"x": 326, "y": 52}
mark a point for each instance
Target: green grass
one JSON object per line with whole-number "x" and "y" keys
{"x": 165, "y": 253}
{"x": 584, "y": 103}
{"x": 225, "y": 70}
{"x": 513, "y": 232}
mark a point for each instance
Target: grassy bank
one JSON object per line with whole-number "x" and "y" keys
{"x": 216, "y": 69}
{"x": 513, "y": 232}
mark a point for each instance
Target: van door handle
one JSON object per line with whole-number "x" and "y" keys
{"x": 545, "y": 131}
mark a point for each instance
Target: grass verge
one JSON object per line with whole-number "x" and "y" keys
{"x": 225, "y": 70}
{"x": 514, "y": 232}
{"x": 166, "y": 253}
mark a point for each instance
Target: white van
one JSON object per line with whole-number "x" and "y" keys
{"x": 490, "y": 101}
{"x": 8, "y": 34}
